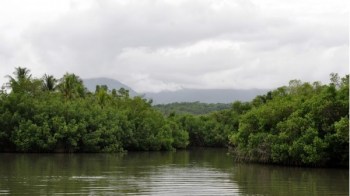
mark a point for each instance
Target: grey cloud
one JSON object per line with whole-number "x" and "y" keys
{"x": 115, "y": 26}
{"x": 158, "y": 45}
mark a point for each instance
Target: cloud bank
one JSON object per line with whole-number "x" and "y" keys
{"x": 155, "y": 45}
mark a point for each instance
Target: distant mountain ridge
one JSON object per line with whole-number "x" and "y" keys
{"x": 184, "y": 95}
{"x": 205, "y": 95}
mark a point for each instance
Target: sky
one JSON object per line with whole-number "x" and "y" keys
{"x": 157, "y": 45}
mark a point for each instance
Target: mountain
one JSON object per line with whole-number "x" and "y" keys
{"x": 205, "y": 95}
{"x": 184, "y": 95}
{"x": 91, "y": 83}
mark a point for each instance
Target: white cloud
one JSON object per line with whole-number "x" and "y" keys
{"x": 144, "y": 81}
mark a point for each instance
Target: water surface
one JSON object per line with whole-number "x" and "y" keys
{"x": 193, "y": 172}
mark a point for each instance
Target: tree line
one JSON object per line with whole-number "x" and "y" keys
{"x": 298, "y": 124}
{"x": 195, "y": 108}
{"x": 60, "y": 115}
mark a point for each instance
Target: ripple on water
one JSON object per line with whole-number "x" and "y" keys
{"x": 162, "y": 181}
{"x": 4, "y": 192}
{"x": 188, "y": 181}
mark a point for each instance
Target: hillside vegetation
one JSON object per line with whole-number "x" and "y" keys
{"x": 191, "y": 107}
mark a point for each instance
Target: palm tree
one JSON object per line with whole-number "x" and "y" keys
{"x": 21, "y": 80}
{"x": 49, "y": 83}
{"x": 102, "y": 95}
{"x": 71, "y": 86}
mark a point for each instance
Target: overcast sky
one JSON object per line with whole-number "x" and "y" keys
{"x": 154, "y": 45}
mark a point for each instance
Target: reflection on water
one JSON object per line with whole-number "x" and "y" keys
{"x": 276, "y": 180}
{"x": 194, "y": 172}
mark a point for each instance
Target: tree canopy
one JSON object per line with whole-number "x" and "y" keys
{"x": 299, "y": 124}
{"x": 60, "y": 115}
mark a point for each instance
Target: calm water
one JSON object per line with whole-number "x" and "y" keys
{"x": 195, "y": 172}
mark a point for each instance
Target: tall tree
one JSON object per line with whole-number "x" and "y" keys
{"x": 102, "y": 95}
{"x": 71, "y": 86}
{"x": 21, "y": 80}
{"x": 49, "y": 83}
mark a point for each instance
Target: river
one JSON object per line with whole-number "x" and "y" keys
{"x": 202, "y": 171}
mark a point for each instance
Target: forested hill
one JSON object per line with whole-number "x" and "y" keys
{"x": 195, "y": 108}
{"x": 184, "y": 95}
{"x": 205, "y": 95}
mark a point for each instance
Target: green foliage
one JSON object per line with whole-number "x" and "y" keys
{"x": 195, "y": 108}
{"x": 212, "y": 130}
{"x": 299, "y": 124}
{"x": 71, "y": 120}
{"x": 71, "y": 86}
{"x": 49, "y": 83}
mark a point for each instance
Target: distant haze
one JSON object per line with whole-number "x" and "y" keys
{"x": 205, "y": 95}
{"x": 184, "y": 95}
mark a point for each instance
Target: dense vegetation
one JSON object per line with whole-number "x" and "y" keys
{"x": 302, "y": 124}
{"x": 49, "y": 115}
{"x": 196, "y": 108}
{"x": 299, "y": 124}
